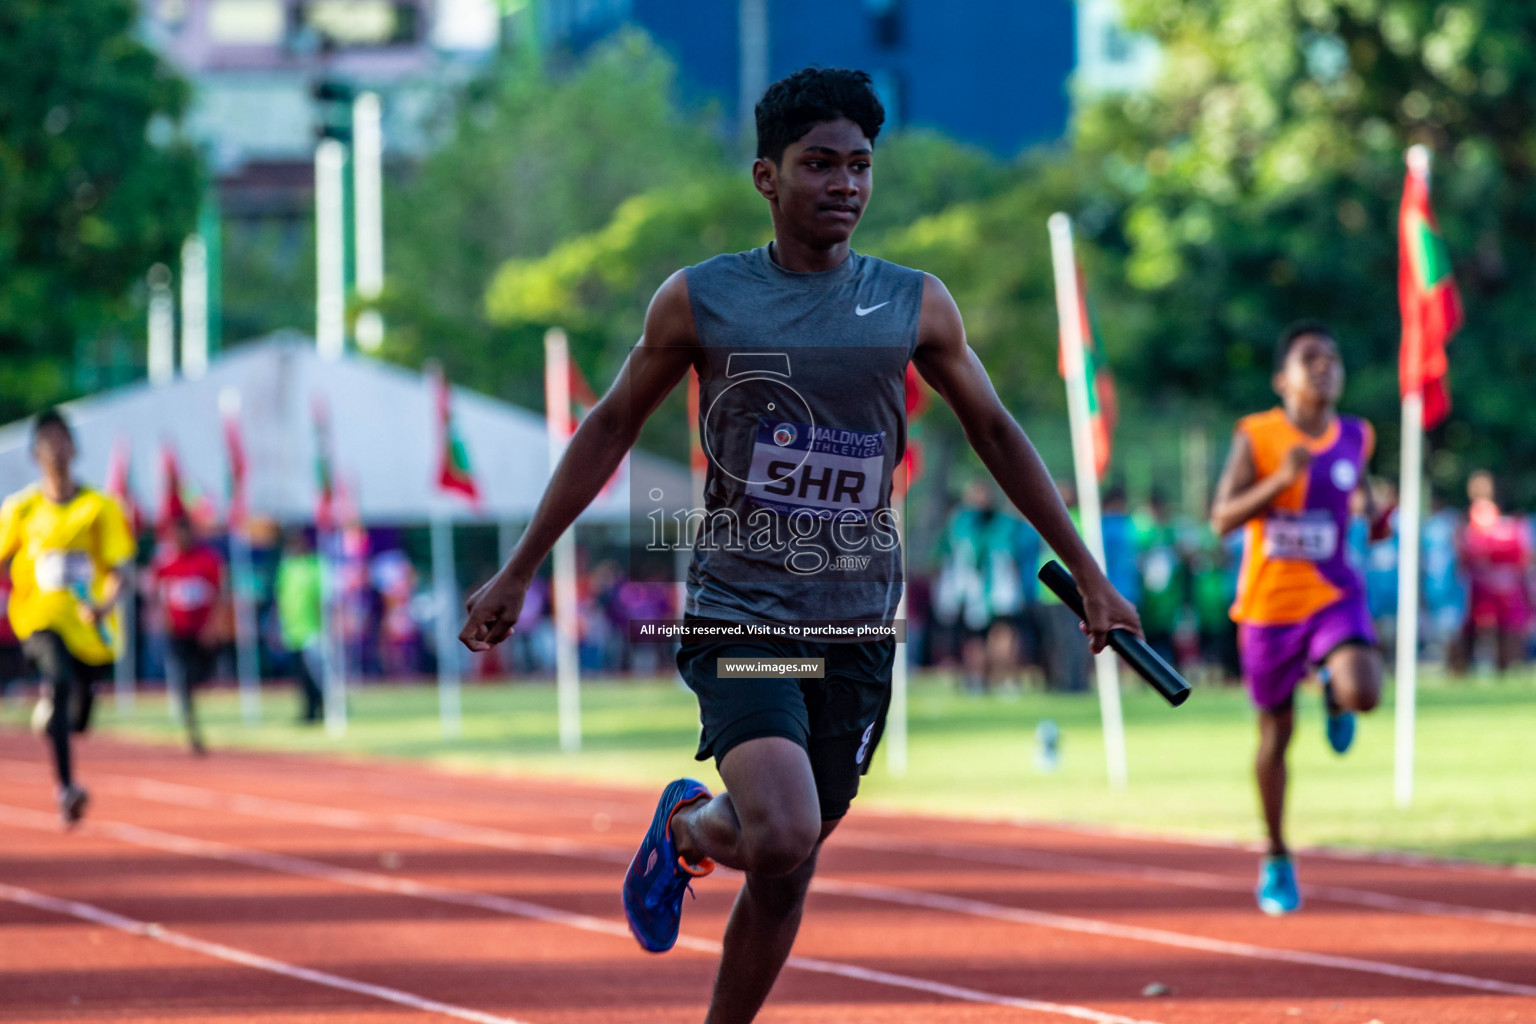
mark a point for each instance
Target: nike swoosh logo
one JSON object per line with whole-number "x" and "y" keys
{"x": 861, "y": 311}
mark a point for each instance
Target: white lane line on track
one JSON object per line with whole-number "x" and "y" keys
{"x": 285, "y": 864}
{"x": 376, "y": 779}
{"x": 366, "y": 779}
{"x": 436, "y": 828}
{"x": 1077, "y": 864}
{"x": 476, "y": 835}
{"x": 1089, "y": 926}
{"x": 219, "y": 951}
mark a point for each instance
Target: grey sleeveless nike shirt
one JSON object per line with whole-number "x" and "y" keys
{"x": 802, "y": 416}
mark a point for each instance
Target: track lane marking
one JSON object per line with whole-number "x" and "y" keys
{"x": 219, "y": 951}
{"x": 1078, "y": 864}
{"x": 180, "y": 794}
{"x": 478, "y": 835}
{"x": 285, "y": 864}
{"x": 378, "y": 780}
{"x": 1090, "y": 926}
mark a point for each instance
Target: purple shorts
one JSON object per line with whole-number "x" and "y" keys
{"x": 1277, "y": 658}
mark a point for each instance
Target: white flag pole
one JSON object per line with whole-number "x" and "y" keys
{"x": 162, "y": 326}
{"x": 896, "y": 717}
{"x": 1068, "y": 304}
{"x": 242, "y": 578}
{"x": 194, "y": 307}
{"x": 333, "y": 648}
{"x": 445, "y": 586}
{"x": 449, "y": 702}
{"x": 330, "y": 249}
{"x": 557, "y": 398}
{"x": 125, "y": 669}
{"x": 1410, "y": 514}
{"x": 368, "y": 199}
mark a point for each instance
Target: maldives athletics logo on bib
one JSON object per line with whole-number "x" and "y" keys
{"x": 784, "y": 434}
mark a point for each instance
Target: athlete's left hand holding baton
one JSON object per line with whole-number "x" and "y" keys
{"x": 666, "y": 351}
{"x": 952, "y": 368}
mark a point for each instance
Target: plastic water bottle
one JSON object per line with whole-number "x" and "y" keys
{"x": 1047, "y": 747}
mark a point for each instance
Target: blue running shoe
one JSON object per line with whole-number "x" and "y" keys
{"x": 658, "y": 877}
{"x": 1277, "y": 891}
{"x": 1341, "y": 723}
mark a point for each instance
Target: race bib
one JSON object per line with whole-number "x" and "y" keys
{"x": 826, "y": 470}
{"x": 1310, "y": 538}
{"x": 63, "y": 569}
{"x": 1157, "y": 570}
{"x": 188, "y": 594}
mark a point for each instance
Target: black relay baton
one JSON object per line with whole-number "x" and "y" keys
{"x": 1148, "y": 664}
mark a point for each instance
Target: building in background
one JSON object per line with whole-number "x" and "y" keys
{"x": 258, "y": 68}
{"x": 994, "y": 73}
{"x": 271, "y": 76}
{"x": 1109, "y": 57}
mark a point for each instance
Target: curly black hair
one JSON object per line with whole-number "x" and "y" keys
{"x": 1294, "y": 332}
{"x": 793, "y": 106}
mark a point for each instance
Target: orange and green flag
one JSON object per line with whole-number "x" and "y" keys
{"x": 1103, "y": 409}
{"x": 1427, "y": 296}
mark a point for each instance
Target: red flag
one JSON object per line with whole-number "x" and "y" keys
{"x": 172, "y": 507}
{"x": 911, "y": 465}
{"x": 119, "y": 483}
{"x": 344, "y": 504}
{"x": 583, "y": 399}
{"x": 1426, "y": 295}
{"x": 234, "y": 448}
{"x": 698, "y": 462}
{"x": 453, "y": 469}
{"x": 1103, "y": 407}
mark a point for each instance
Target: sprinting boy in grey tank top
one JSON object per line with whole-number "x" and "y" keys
{"x": 801, "y": 348}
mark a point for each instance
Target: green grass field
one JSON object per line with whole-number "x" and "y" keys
{"x": 1189, "y": 768}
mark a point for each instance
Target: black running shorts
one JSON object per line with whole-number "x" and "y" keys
{"x": 837, "y": 719}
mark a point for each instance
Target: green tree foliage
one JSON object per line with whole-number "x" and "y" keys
{"x": 535, "y": 159}
{"x": 94, "y": 189}
{"x": 597, "y": 285}
{"x": 1259, "y": 180}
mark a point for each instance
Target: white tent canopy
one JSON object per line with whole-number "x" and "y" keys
{"x": 383, "y": 439}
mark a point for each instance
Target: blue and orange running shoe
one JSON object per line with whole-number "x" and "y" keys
{"x": 658, "y": 877}
{"x": 1341, "y": 723}
{"x": 1278, "y": 892}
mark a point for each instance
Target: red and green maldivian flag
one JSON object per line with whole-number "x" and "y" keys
{"x": 698, "y": 462}
{"x": 583, "y": 398}
{"x": 1427, "y": 296}
{"x": 1103, "y": 408}
{"x": 454, "y": 473}
{"x": 911, "y": 465}
{"x": 325, "y": 478}
{"x": 583, "y": 401}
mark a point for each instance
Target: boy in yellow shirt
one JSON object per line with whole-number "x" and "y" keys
{"x": 67, "y": 544}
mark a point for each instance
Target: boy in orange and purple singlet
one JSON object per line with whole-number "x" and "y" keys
{"x": 1300, "y": 604}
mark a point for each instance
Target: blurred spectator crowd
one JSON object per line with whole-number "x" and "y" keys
{"x": 980, "y": 613}
{"x": 984, "y": 614}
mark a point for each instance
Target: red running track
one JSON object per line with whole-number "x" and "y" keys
{"x": 279, "y": 889}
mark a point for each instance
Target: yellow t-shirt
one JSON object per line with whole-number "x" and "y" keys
{"x": 60, "y": 554}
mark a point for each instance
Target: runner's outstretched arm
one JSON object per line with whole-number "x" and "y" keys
{"x": 654, "y": 367}
{"x": 949, "y": 365}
